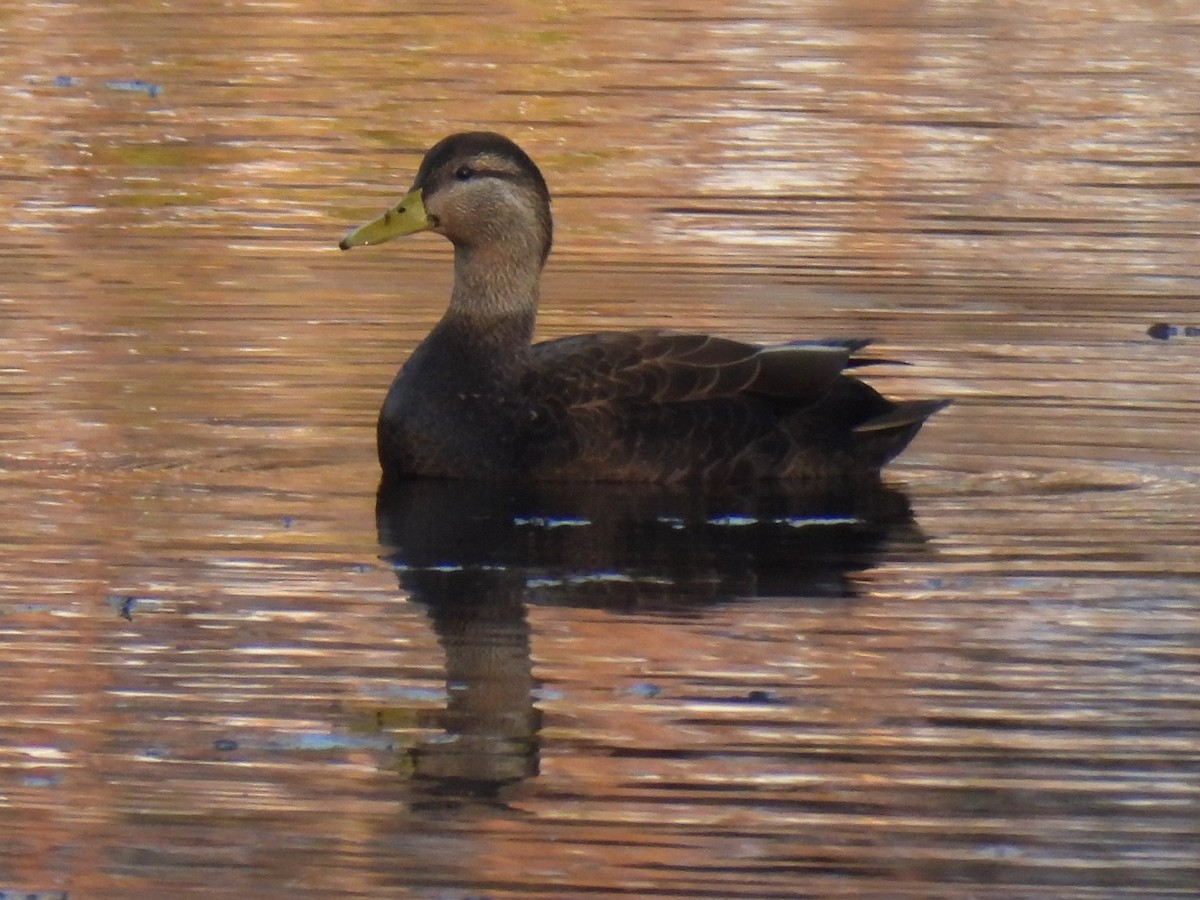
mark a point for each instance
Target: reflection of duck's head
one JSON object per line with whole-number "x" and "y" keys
{"x": 478, "y": 400}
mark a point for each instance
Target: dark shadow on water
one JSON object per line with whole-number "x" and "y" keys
{"x": 477, "y": 555}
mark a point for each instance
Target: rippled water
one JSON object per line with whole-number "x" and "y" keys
{"x": 228, "y": 669}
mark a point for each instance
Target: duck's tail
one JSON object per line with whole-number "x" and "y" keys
{"x": 881, "y": 438}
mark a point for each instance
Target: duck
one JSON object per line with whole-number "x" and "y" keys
{"x": 478, "y": 398}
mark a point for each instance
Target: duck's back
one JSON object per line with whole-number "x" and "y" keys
{"x": 645, "y": 406}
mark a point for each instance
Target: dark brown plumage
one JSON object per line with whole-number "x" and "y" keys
{"x": 477, "y": 400}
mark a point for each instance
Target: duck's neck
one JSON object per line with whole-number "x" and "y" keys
{"x": 492, "y": 307}
{"x": 493, "y": 282}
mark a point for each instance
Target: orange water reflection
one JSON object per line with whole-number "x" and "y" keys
{"x": 999, "y": 701}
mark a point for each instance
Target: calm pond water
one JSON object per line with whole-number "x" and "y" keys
{"x": 228, "y": 669}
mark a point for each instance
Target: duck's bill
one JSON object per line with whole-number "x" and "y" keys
{"x": 406, "y": 217}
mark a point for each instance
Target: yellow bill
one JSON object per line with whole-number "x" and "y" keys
{"x": 406, "y": 217}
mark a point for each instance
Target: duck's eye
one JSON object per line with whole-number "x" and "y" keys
{"x": 464, "y": 173}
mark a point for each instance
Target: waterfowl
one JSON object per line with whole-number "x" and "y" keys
{"x": 478, "y": 399}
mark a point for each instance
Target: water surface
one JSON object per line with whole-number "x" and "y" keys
{"x": 228, "y": 671}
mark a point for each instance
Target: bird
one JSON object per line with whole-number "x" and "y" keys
{"x": 479, "y": 399}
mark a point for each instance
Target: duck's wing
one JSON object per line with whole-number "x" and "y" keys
{"x": 660, "y": 406}
{"x": 658, "y": 367}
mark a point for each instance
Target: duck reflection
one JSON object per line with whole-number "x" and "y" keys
{"x": 475, "y": 555}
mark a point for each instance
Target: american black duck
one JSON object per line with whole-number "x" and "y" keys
{"x": 477, "y": 399}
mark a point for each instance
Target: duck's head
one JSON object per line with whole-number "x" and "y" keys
{"x": 476, "y": 188}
